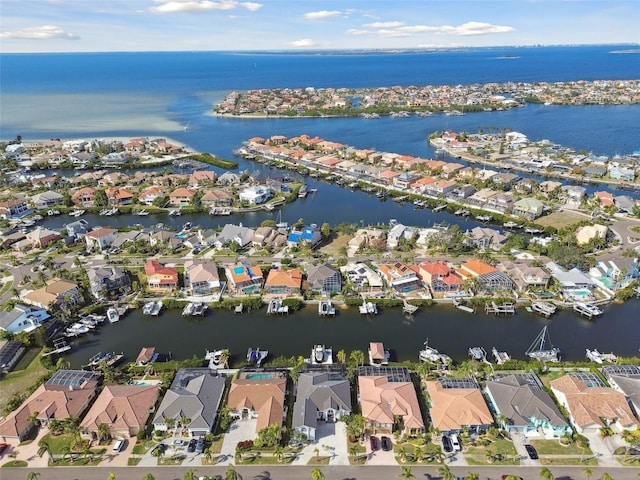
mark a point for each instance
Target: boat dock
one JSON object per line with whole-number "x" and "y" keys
{"x": 636, "y": 291}
{"x": 275, "y": 307}
{"x": 152, "y": 308}
{"x": 544, "y": 308}
{"x": 59, "y": 346}
{"x": 257, "y": 356}
{"x": 461, "y": 306}
{"x": 440, "y": 207}
{"x": 506, "y": 308}
{"x": 326, "y": 308}
{"x": 500, "y": 357}
{"x": 238, "y": 308}
{"x": 194, "y": 308}
{"x": 587, "y": 309}
{"x": 408, "y": 308}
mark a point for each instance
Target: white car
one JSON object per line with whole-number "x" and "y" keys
{"x": 455, "y": 443}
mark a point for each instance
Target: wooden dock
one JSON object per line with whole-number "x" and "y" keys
{"x": 507, "y": 308}
{"x": 408, "y": 308}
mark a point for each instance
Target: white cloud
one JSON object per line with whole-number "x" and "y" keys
{"x": 392, "y": 33}
{"x": 322, "y": 14}
{"x": 45, "y": 32}
{"x": 304, "y": 42}
{"x": 355, "y": 31}
{"x": 416, "y": 29}
{"x": 196, "y": 6}
{"x": 474, "y": 28}
{"x": 384, "y": 24}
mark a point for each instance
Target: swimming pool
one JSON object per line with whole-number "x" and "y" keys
{"x": 258, "y": 376}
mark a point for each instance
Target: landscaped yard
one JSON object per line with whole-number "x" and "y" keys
{"x": 479, "y": 460}
{"x": 500, "y": 446}
{"x": 568, "y": 461}
{"x": 554, "y": 447}
{"x": 28, "y": 370}
{"x": 319, "y": 460}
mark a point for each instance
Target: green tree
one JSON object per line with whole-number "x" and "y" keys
{"x": 546, "y": 474}
{"x": 605, "y": 476}
{"x": 325, "y": 230}
{"x": 341, "y": 356}
{"x": 190, "y": 474}
{"x": 104, "y": 432}
{"x": 101, "y": 200}
{"x": 406, "y": 473}
{"x": 588, "y": 472}
{"x": 232, "y": 474}
{"x": 357, "y": 357}
{"x": 445, "y": 473}
{"x": 44, "y": 447}
{"x": 472, "y": 476}
{"x": 316, "y": 474}
{"x": 111, "y": 476}
{"x": 33, "y": 476}
{"x": 148, "y": 476}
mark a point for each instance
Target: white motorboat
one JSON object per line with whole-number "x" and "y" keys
{"x": 112, "y": 315}
{"x": 217, "y": 358}
{"x": 326, "y": 308}
{"x": 368, "y": 308}
{"x": 320, "y": 355}
{"x": 430, "y": 354}
{"x": 76, "y": 329}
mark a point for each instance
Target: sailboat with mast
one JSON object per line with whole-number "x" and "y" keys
{"x": 541, "y": 349}
{"x": 279, "y": 222}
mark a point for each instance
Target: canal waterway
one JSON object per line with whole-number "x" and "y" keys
{"x": 449, "y": 330}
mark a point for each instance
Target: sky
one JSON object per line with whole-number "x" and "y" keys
{"x": 28, "y": 26}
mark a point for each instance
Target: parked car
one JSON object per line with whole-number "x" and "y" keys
{"x": 386, "y": 444}
{"x": 375, "y": 444}
{"x": 3, "y": 447}
{"x": 192, "y": 445}
{"x": 161, "y": 447}
{"x": 179, "y": 442}
{"x": 446, "y": 444}
{"x": 200, "y": 445}
{"x": 455, "y": 443}
{"x": 533, "y": 455}
{"x": 118, "y": 446}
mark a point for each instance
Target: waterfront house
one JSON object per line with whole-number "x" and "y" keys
{"x": 166, "y": 239}
{"x": 244, "y": 278}
{"x": 310, "y": 235}
{"x": 100, "y": 238}
{"x": 461, "y": 192}
{"x": 451, "y": 169}
{"x": 501, "y": 201}
{"x": 229, "y": 178}
{"x": 181, "y": 197}
{"x": 622, "y": 173}
{"x": 149, "y": 195}
{"x": 592, "y": 405}
{"x": 22, "y": 318}
{"x": 440, "y": 188}
{"x": 46, "y": 199}
{"x": 605, "y": 198}
{"x": 362, "y": 277}
{"x": 260, "y": 399}
{"x": 14, "y": 208}
{"x": 528, "y": 208}
{"x": 159, "y": 277}
{"x": 201, "y": 277}
{"x": 617, "y": 272}
{"x": 570, "y": 280}
{"x": 66, "y": 394}
{"x": 405, "y": 179}
{"x": 324, "y": 279}
{"x": 9, "y": 239}
{"x": 234, "y": 233}
{"x": 626, "y": 204}
{"x": 57, "y": 293}
{"x": 281, "y": 282}
{"x": 200, "y": 178}
{"x": 77, "y": 229}
{"x": 125, "y": 408}
{"x": 217, "y": 197}
{"x": 439, "y": 277}
{"x": 574, "y": 193}
{"x": 261, "y": 235}
{"x": 525, "y": 276}
{"x": 192, "y": 402}
{"x": 400, "y": 232}
{"x": 400, "y": 277}
{"x": 481, "y": 197}
{"x": 108, "y": 281}
{"x": 525, "y": 406}
{"x": 118, "y": 197}
{"x": 457, "y": 405}
{"x": 255, "y": 194}
{"x": 41, "y": 237}
{"x": 485, "y": 238}
{"x": 84, "y": 197}
{"x": 625, "y": 379}
{"x": 388, "y": 401}
{"x": 487, "y": 276}
{"x": 320, "y": 397}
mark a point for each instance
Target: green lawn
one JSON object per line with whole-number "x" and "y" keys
{"x": 23, "y": 376}
{"x": 500, "y": 445}
{"x": 478, "y": 460}
{"x": 319, "y": 460}
{"x": 58, "y": 443}
{"x": 14, "y": 464}
{"x": 568, "y": 461}
{"x": 132, "y": 462}
{"x": 554, "y": 447}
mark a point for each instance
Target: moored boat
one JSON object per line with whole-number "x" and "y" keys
{"x": 542, "y": 350}
{"x": 430, "y": 354}
{"x": 257, "y": 356}
{"x": 112, "y": 315}
{"x": 321, "y": 355}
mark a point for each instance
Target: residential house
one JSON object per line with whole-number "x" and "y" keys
{"x": 201, "y": 178}
{"x": 605, "y": 198}
{"x": 67, "y": 393}
{"x": 501, "y": 201}
{"x": 617, "y": 272}
{"x": 625, "y": 379}
{"x": 57, "y": 293}
{"x": 84, "y": 197}
{"x": 486, "y": 238}
{"x": 108, "y": 281}
{"x": 363, "y": 278}
{"x": 166, "y": 239}
{"x": 626, "y": 204}
{"x": 523, "y": 404}
{"x": 234, "y": 233}
{"x": 488, "y": 277}
{"x": 201, "y": 277}
{"x": 77, "y": 229}
{"x": 14, "y": 208}
{"x": 255, "y": 194}
{"x": 41, "y": 237}
{"x": 46, "y": 199}
{"x": 573, "y": 279}
{"x": 526, "y": 276}
{"x": 10, "y": 354}
{"x": 400, "y": 277}
{"x": 439, "y": 277}
{"x": 529, "y": 208}
{"x": 147, "y": 356}
{"x": 320, "y": 397}
{"x": 100, "y": 238}
{"x": 244, "y": 278}
{"x": 440, "y": 188}
{"x": 261, "y": 399}
{"x": 22, "y": 318}
{"x": 216, "y": 198}
{"x": 389, "y": 402}
{"x": 125, "y": 408}
{"x": 481, "y": 197}
{"x": 622, "y": 173}
{"x": 149, "y": 195}
{"x": 310, "y": 235}
{"x": 324, "y": 279}
{"x": 398, "y": 233}
{"x": 587, "y": 233}
{"x": 195, "y": 394}
{"x": 281, "y": 282}
{"x": 592, "y": 405}
{"x": 181, "y": 197}
{"x": 160, "y": 277}
{"x": 457, "y": 405}
{"x": 118, "y": 196}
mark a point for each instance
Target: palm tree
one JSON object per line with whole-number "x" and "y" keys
{"x": 605, "y": 476}
{"x": 232, "y": 474}
{"x": 445, "y": 472}
{"x": 278, "y": 452}
{"x": 357, "y": 356}
{"x": 418, "y": 451}
{"x": 588, "y": 472}
{"x": 111, "y": 476}
{"x": 406, "y": 473}
{"x": 44, "y": 447}
{"x": 354, "y": 450}
{"x": 104, "y": 432}
{"x": 316, "y": 474}
{"x": 33, "y": 475}
{"x": 190, "y": 474}
{"x": 472, "y": 476}
{"x": 341, "y": 356}
{"x": 546, "y": 474}
{"x": 148, "y": 476}
{"x": 207, "y": 454}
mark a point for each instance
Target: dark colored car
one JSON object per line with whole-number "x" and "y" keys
{"x": 161, "y": 447}
{"x": 446, "y": 444}
{"x": 386, "y": 444}
{"x": 3, "y": 447}
{"x": 373, "y": 441}
{"x": 192, "y": 445}
{"x": 533, "y": 455}
{"x": 200, "y": 445}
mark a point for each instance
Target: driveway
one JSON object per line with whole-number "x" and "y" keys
{"x": 331, "y": 441}
{"x": 238, "y": 431}
{"x": 380, "y": 457}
